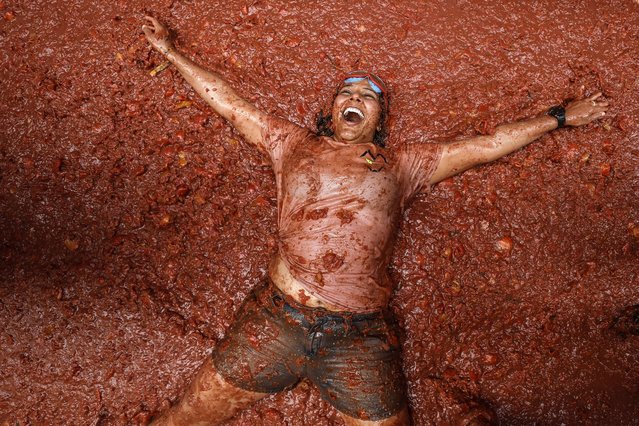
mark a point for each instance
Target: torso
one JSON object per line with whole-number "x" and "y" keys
{"x": 339, "y": 206}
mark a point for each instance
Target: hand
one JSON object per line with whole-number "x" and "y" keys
{"x": 158, "y": 35}
{"x": 585, "y": 110}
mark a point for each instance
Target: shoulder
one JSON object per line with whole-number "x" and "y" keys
{"x": 416, "y": 164}
{"x": 276, "y": 124}
{"x": 426, "y": 150}
{"x": 279, "y": 131}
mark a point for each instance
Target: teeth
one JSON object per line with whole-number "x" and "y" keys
{"x": 355, "y": 110}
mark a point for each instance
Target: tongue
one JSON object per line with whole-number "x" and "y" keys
{"x": 352, "y": 117}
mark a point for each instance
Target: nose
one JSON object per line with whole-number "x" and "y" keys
{"x": 356, "y": 97}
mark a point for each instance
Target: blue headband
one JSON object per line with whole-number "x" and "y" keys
{"x": 374, "y": 86}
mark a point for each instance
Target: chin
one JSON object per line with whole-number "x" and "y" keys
{"x": 349, "y": 138}
{"x": 349, "y": 135}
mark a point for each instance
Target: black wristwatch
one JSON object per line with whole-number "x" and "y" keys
{"x": 559, "y": 113}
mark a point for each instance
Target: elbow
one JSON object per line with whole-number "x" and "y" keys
{"x": 485, "y": 150}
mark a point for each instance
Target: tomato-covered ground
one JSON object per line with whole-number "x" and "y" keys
{"x": 133, "y": 220}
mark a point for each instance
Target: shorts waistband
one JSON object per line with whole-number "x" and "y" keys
{"x": 279, "y": 299}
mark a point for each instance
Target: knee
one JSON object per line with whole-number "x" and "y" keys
{"x": 402, "y": 418}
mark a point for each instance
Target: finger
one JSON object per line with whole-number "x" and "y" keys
{"x": 603, "y": 103}
{"x": 156, "y": 23}
{"x": 152, "y": 20}
{"x": 147, "y": 31}
{"x": 595, "y": 96}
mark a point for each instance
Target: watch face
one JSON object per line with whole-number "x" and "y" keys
{"x": 559, "y": 113}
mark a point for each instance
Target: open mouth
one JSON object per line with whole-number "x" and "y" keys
{"x": 353, "y": 115}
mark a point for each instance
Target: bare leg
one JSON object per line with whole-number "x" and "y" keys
{"x": 400, "y": 419}
{"x": 209, "y": 400}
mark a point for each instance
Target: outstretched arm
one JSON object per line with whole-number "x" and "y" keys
{"x": 244, "y": 116}
{"x": 462, "y": 155}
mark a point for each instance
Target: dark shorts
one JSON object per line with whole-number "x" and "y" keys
{"x": 352, "y": 358}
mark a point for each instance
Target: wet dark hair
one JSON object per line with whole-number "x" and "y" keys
{"x": 323, "y": 122}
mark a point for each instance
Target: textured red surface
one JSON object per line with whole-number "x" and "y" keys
{"x": 133, "y": 224}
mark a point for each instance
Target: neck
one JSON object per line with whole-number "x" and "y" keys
{"x": 356, "y": 141}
